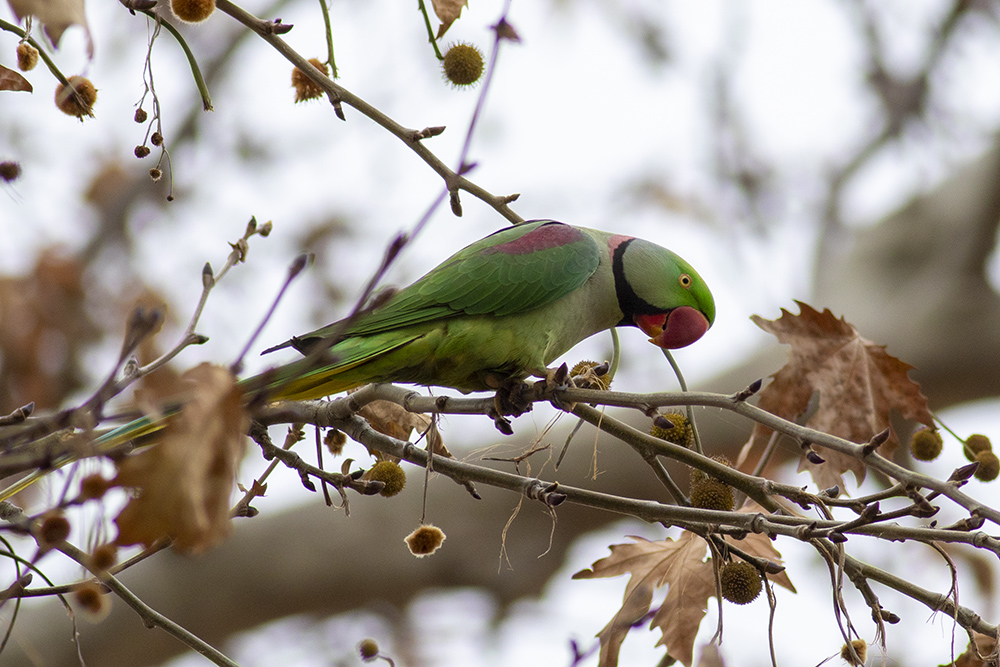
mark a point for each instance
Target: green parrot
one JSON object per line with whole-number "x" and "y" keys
{"x": 497, "y": 311}
{"x": 505, "y": 307}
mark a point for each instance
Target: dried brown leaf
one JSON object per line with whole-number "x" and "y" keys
{"x": 448, "y": 11}
{"x": 183, "y": 484}
{"x": 397, "y": 422}
{"x": 44, "y": 329}
{"x": 56, "y": 16}
{"x": 761, "y": 546}
{"x": 711, "y": 657}
{"x": 858, "y": 385}
{"x": 393, "y": 419}
{"x": 679, "y": 564}
{"x": 12, "y": 80}
{"x": 982, "y": 645}
{"x": 155, "y": 391}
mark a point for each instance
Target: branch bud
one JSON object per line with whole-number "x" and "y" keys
{"x": 207, "y": 276}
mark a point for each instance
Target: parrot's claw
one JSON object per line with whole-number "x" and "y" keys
{"x": 558, "y": 378}
{"x": 514, "y": 397}
{"x": 501, "y": 422}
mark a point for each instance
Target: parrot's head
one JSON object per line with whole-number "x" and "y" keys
{"x": 661, "y": 294}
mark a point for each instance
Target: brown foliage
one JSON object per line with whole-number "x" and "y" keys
{"x": 857, "y": 381}
{"x": 679, "y": 563}
{"x": 184, "y": 484}
{"x": 44, "y": 328}
{"x": 761, "y": 546}
{"x": 396, "y": 421}
{"x": 448, "y": 11}
{"x": 55, "y": 15}
{"x": 11, "y": 80}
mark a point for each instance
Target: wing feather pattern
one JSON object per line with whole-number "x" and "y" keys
{"x": 511, "y": 271}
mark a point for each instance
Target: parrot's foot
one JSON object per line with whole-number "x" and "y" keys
{"x": 510, "y": 399}
{"x": 558, "y": 378}
{"x": 514, "y": 397}
{"x": 501, "y": 422}
{"x": 554, "y": 378}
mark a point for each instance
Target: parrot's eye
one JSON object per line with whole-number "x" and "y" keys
{"x": 685, "y": 281}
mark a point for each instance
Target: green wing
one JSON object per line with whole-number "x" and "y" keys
{"x": 511, "y": 271}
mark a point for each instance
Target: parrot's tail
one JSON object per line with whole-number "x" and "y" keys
{"x": 103, "y": 443}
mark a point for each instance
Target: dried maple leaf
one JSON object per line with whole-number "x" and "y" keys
{"x": 56, "y": 16}
{"x": 981, "y": 645}
{"x": 858, "y": 385}
{"x": 44, "y": 330}
{"x": 760, "y": 545}
{"x": 448, "y": 11}
{"x": 11, "y": 80}
{"x": 710, "y": 656}
{"x": 183, "y": 484}
{"x": 679, "y": 564}
{"x": 157, "y": 390}
{"x": 396, "y": 421}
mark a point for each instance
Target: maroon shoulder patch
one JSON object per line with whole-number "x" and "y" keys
{"x": 552, "y": 235}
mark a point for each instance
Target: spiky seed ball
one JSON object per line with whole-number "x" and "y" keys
{"x": 82, "y": 103}
{"x": 463, "y": 64}
{"x": 860, "y": 648}
{"x": 141, "y": 151}
{"x": 104, "y": 557}
{"x": 585, "y": 369}
{"x": 10, "y": 171}
{"x": 698, "y": 475}
{"x": 335, "y": 440}
{"x": 92, "y": 599}
{"x": 140, "y": 115}
{"x": 155, "y": 174}
{"x": 740, "y": 582}
{"x": 673, "y": 427}
{"x": 926, "y": 444}
{"x": 711, "y": 494}
{"x": 94, "y": 486}
{"x": 192, "y": 11}
{"x": 391, "y": 474}
{"x": 54, "y": 528}
{"x": 425, "y": 540}
{"x": 975, "y": 443}
{"x": 306, "y": 88}
{"x": 989, "y": 466}
{"x": 368, "y": 649}
{"x": 27, "y": 57}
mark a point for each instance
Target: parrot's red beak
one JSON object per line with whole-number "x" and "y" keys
{"x": 678, "y": 328}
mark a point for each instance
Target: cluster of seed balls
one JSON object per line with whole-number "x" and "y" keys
{"x": 427, "y": 538}
{"x": 740, "y": 581}
{"x": 77, "y": 96}
{"x": 707, "y": 492}
{"x": 926, "y": 445}
{"x": 462, "y": 66}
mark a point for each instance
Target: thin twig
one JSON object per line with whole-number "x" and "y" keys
{"x": 454, "y": 181}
